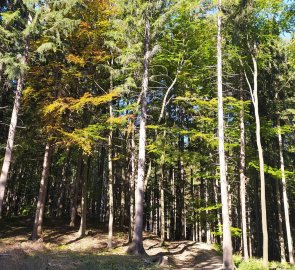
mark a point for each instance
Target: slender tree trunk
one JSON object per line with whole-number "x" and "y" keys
{"x": 111, "y": 195}
{"x": 82, "y": 229}
{"x": 261, "y": 164}
{"x": 285, "y": 197}
{"x": 208, "y": 222}
{"x": 37, "y": 230}
{"x": 162, "y": 203}
{"x": 12, "y": 127}
{"x": 192, "y": 189}
{"x": 280, "y": 223}
{"x": 74, "y": 200}
{"x": 249, "y": 232}
{"x": 137, "y": 242}
{"x": 216, "y": 192}
{"x": 243, "y": 179}
{"x": 10, "y": 140}
{"x": 63, "y": 185}
{"x": 132, "y": 182}
{"x": 227, "y": 241}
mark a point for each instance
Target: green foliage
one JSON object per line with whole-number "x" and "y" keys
{"x": 235, "y": 232}
{"x": 275, "y": 173}
{"x": 257, "y": 264}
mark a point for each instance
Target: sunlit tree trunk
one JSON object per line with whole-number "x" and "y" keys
{"x": 132, "y": 182}
{"x": 243, "y": 178}
{"x": 227, "y": 241}
{"x": 12, "y": 126}
{"x": 38, "y": 222}
{"x": 261, "y": 162}
{"x": 111, "y": 195}
{"x": 137, "y": 242}
{"x": 285, "y": 197}
{"x": 280, "y": 223}
{"x": 10, "y": 141}
{"x": 162, "y": 203}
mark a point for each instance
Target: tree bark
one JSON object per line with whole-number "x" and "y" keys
{"x": 261, "y": 163}
{"x": 243, "y": 178}
{"x": 37, "y": 230}
{"x": 82, "y": 229}
{"x": 162, "y": 203}
{"x": 285, "y": 197}
{"x": 12, "y": 128}
{"x": 10, "y": 140}
{"x": 76, "y": 184}
{"x": 111, "y": 195}
{"x": 280, "y": 223}
{"x": 132, "y": 184}
{"x": 227, "y": 241}
{"x": 137, "y": 244}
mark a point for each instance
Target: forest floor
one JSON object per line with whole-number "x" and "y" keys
{"x": 62, "y": 250}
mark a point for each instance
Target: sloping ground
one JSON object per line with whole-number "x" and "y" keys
{"x": 185, "y": 255}
{"x": 62, "y": 250}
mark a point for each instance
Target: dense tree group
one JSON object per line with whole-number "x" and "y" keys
{"x": 170, "y": 116}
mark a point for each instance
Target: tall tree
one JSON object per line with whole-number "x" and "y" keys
{"x": 227, "y": 242}
{"x": 23, "y": 40}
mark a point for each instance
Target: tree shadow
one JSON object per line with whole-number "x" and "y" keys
{"x": 47, "y": 260}
{"x": 167, "y": 253}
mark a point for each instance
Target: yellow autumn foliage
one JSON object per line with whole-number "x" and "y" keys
{"x": 71, "y": 104}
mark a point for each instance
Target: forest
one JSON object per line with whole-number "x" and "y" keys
{"x": 147, "y": 134}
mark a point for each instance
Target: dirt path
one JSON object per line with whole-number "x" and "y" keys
{"x": 62, "y": 250}
{"x": 186, "y": 255}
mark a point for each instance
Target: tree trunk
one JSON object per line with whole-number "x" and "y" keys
{"x": 227, "y": 241}
{"x": 132, "y": 182}
{"x": 37, "y": 230}
{"x": 74, "y": 200}
{"x": 243, "y": 179}
{"x": 82, "y": 229}
{"x": 261, "y": 163}
{"x": 137, "y": 244}
{"x": 285, "y": 197}
{"x": 111, "y": 195}
{"x": 10, "y": 140}
{"x": 280, "y": 223}
{"x": 162, "y": 203}
{"x": 12, "y": 127}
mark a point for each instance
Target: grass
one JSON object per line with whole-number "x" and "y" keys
{"x": 256, "y": 264}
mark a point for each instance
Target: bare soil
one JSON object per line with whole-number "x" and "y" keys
{"x": 61, "y": 249}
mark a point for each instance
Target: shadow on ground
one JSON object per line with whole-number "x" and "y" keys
{"x": 17, "y": 259}
{"x": 62, "y": 249}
